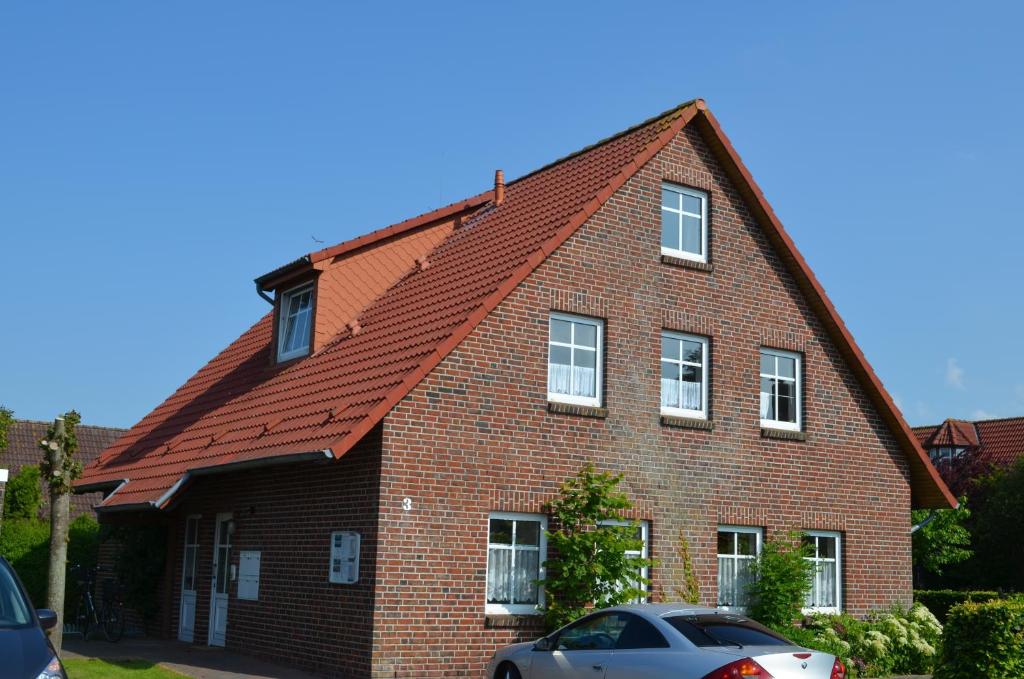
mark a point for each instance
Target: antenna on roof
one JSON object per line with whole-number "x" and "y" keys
{"x": 499, "y": 187}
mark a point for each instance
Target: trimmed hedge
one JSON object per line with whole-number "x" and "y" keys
{"x": 983, "y": 640}
{"x": 939, "y": 601}
{"x": 25, "y": 543}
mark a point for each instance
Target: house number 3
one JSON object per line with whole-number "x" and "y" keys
{"x": 407, "y": 504}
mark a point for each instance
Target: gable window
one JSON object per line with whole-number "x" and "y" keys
{"x": 516, "y": 551}
{"x": 825, "y": 582}
{"x": 684, "y": 385}
{"x": 946, "y": 455}
{"x": 643, "y": 529}
{"x": 684, "y": 222}
{"x": 738, "y": 546}
{"x": 780, "y": 389}
{"x": 574, "y": 360}
{"x": 294, "y": 326}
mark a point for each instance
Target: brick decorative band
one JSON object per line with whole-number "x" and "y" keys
{"x": 513, "y": 622}
{"x": 686, "y": 422}
{"x": 687, "y": 263}
{"x": 579, "y": 303}
{"x": 571, "y": 409}
{"x": 783, "y": 434}
{"x": 780, "y": 339}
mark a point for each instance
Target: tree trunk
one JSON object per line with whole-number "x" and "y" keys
{"x": 60, "y": 503}
{"x": 3, "y": 484}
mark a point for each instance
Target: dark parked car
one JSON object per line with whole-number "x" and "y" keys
{"x": 25, "y": 650}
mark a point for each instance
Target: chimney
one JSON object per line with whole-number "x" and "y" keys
{"x": 499, "y": 187}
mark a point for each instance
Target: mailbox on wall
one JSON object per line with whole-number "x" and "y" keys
{"x": 344, "y": 557}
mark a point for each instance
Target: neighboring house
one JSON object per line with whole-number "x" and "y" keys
{"x": 962, "y": 449}
{"x": 23, "y": 449}
{"x": 358, "y": 483}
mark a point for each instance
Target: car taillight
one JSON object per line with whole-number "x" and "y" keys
{"x": 741, "y": 669}
{"x": 838, "y": 670}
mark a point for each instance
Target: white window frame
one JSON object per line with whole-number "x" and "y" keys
{"x": 542, "y": 548}
{"x": 684, "y": 412}
{"x": 598, "y": 365}
{"x": 839, "y": 570}
{"x": 282, "y": 322}
{"x": 643, "y": 553}
{"x": 798, "y": 379}
{"x": 693, "y": 193}
{"x": 749, "y": 530}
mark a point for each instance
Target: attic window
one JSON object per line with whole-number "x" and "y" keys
{"x": 296, "y": 319}
{"x": 946, "y": 455}
{"x": 684, "y": 222}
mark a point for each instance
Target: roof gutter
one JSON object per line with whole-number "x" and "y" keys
{"x": 263, "y": 293}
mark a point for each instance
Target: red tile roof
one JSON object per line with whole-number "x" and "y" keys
{"x": 238, "y": 409}
{"x": 998, "y": 442}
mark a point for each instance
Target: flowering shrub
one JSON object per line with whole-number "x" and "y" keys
{"x": 895, "y": 642}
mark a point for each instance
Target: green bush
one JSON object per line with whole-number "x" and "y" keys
{"x": 23, "y": 496}
{"x": 25, "y": 543}
{"x": 898, "y": 641}
{"x": 939, "y": 601}
{"x": 983, "y": 640}
{"x": 780, "y": 580}
{"x": 140, "y": 563}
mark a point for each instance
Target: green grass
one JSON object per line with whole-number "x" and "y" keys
{"x": 93, "y": 668}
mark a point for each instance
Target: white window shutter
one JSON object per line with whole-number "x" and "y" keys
{"x": 344, "y": 567}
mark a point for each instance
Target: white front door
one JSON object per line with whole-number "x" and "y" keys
{"x": 221, "y": 579}
{"x": 187, "y": 612}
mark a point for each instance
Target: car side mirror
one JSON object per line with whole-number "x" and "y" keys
{"x": 544, "y": 644}
{"x": 47, "y": 618}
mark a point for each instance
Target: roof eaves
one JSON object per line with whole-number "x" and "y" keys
{"x": 917, "y": 455}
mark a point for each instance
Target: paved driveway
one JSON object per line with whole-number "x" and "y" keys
{"x": 203, "y": 662}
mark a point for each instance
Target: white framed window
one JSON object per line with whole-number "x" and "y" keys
{"x": 516, "y": 551}
{"x": 946, "y": 455}
{"x": 684, "y": 383}
{"x": 295, "y": 323}
{"x": 738, "y": 546}
{"x": 780, "y": 389}
{"x": 826, "y": 582}
{"x": 643, "y": 529}
{"x": 574, "y": 359}
{"x": 684, "y": 222}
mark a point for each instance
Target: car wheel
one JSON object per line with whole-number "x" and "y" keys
{"x": 507, "y": 671}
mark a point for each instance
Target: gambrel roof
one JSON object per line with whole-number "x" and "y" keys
{"x": 240, "y": 409}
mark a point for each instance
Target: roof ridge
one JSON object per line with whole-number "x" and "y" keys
{"x": 601, "y": 142}
{"x": 78, "y": 426}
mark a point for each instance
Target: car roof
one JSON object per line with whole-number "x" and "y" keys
{"x": 662, "y": 610}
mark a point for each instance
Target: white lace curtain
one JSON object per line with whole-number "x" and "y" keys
{"x": 823, "y": 589}
{"x": 766, "y": 404}
{"x": 676, "y": 394}
{"x": 733, "y": 579}
{"x": 571, "y": 380}
{"x": 509, "y": 583}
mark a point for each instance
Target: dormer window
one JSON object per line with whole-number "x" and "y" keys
{"x": 946, "y": 454}
{"x": 295, "y": 323}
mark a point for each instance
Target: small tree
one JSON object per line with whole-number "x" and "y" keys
{"x": 943, "y": 539}
{"x": 590, "y": 566}
{"x": 781, "y": 578}
{"x": 22, "y": 496}
{"x": 6, "y": 420}
{"x": 688, "y": 589}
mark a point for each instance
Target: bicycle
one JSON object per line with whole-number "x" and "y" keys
{"x": 110, "y": 616}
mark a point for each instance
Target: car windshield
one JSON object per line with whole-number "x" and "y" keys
{"x": 725, "y": 630}
{"x": 14, "y": 610}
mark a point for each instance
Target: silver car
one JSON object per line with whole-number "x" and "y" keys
{"x": 662, "y": 641}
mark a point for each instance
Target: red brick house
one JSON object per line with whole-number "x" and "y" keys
{"x": 962, "y": 449}
{"x": 360, "y": 478}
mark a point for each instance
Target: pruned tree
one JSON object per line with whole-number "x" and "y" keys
{"x": 6, "y": 420}
{"x": 60, "y": 468}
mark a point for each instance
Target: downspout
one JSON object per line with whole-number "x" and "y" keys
{"x": 928, "y": 519}
{"x": 263, "y": 293}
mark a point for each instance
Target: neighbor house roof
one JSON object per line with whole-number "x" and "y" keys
{"x": 999, "y": 441}
{"x": 240, "y": 410}
{"x": 23, "y": 449}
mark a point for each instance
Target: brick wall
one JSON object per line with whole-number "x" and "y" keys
{"x": 476, "y": 435}
{"x": 287, "y": 513}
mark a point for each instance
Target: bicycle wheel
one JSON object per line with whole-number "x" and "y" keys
{"x": 113, "y": 622}
{"x": 83, "y": 620}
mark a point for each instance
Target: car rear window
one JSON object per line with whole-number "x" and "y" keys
{"x": 14, "y": 610}
{"x": 725, "y": 630}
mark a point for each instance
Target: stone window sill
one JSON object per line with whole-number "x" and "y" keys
{"x": 686, "y": 263}
{"x": 573, "y": 409}
{"x": 782, "y": 434}
{"x": 510, "y": 621}
{"x": 686, "y": 422}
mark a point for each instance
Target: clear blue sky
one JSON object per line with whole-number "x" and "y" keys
{"x": 156, "y": 157}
